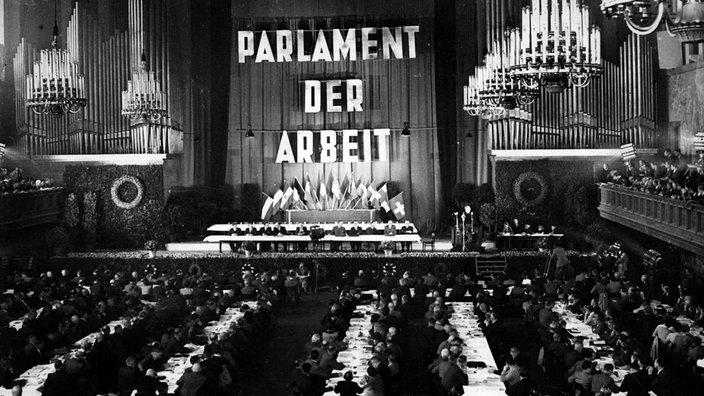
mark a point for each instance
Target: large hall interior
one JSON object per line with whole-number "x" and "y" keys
{"x": 318, "y": 198}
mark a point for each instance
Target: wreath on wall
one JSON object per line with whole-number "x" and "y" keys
{"x": 115, "y": 192}
{"x": 530, "y": 188}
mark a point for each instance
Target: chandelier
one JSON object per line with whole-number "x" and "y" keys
{"x": 496, "y": 85}
{"x": 55, "y": 86}
{"x": 555, "y": 46}
{"x": 144, "y": 100}
{"x": 474, "y": 104}
{"x": 644, "y": 16}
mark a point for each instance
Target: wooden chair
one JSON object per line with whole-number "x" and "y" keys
{"x": 429, "y": 242}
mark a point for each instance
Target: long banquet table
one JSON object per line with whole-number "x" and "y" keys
{"x": 398, "y": 238}
{"x": 482, "y": 381}
{"x": 177, "y": 364}
{"x": 291, "y": 227}
{"x": 36, "y": 376}
{"x": 577, "y": 328}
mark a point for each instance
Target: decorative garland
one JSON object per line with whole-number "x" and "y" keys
{"x": 116, "y": 186}
{"x": 525, "y": 177}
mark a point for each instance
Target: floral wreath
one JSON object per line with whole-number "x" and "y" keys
{"x": 151, "y": 269}
{"x": 247, "y": 267}
{"x": 116, "y": 186}
{"x": 389, "y": 270}
{"x": 528, "y": 176}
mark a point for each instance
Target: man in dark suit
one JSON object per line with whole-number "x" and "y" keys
{"x": 664, "y": 381}
{"x": 520, "y": 388}
{"x": 454, "y": 378}
{"x": 57, "y": 383}
{"x": 636, "y": 383}
{"x": 355, "y": 230}
{"x": 127, "y": 377}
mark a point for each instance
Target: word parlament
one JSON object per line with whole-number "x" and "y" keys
{"x": 328, "y": 46}
{"x": 350, "y": 145}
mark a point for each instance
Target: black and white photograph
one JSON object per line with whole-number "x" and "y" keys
{"x": 351, "y": 197}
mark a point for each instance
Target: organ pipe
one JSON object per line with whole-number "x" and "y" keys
{"x": 107, "y": 65}
{"x": 614, "y": 110}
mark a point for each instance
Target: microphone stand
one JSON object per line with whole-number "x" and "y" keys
{"x": 464, "y": 237}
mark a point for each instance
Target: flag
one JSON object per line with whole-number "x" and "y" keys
{"x": 628, "y": 152}
{"x": 328, "y": 183}
{"x": 397, "y": 207}
{"x": 266, "y": 209}
{"x": 385, "y": 205}
{"x": 345, "y": 185}
{"x": 362, "y": 191}
{"x": 336, "y": 190}
{"x": 374, "y": 197}
{"x": 287, "y": 198}
{"x": 277, "y": 202}
{"x": 353, "y": 189}
{"x": 699, "y": 141}
{"x": 384, "y": 194}
{"x": 298, "y": 187}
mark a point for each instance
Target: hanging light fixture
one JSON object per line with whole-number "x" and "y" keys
{"x": 55, "y": 86}
{"x": 249, "y": 133}
{"x": 474, "y": 104}
{"x": 406, "y": 132}
{"x": 555, "y": 46}
{"x": 496, "y": 86}
{"x": 644, "y": 16}
{"x": 144, "y": 100}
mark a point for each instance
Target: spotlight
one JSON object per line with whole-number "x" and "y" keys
{"x": 406, "y": 132}
{"x": 652, "y": 259}
{"x": 469, "y": 134}
{"x": 249, "y": 133}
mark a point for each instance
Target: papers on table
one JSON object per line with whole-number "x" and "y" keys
{"x": 177, "y": 365}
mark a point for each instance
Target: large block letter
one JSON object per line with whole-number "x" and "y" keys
{"x": 391, "y": 43}
{"x": 284, "y": 45}
{"x": 285, "y": 153}
{"x": 245, "y": 44}
{"x": 348, "y": 146}
{"x": 331, "y": 96}
{"x": 312, "y": 96}
{"x": 381, "y": 144}
{"x": 344, "y": 48}
{"x": 328, "y": 146}
{"x": 368, "y": 45}
{"x": 411, "y": 32}
{"x": 354, "y": 95}
{"x": 304, "y": 146}
{"x": 264, "y": 52}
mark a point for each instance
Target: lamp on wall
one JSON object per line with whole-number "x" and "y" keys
{"x": 406, "y": 131}
{"x": 55, "y": 87}
{"x": 249, "y": 133}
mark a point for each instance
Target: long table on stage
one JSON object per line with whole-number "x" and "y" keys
{"x": 292, "y": 227}
{"x": 376, "y": 239}
{"x": 524, "y": 241}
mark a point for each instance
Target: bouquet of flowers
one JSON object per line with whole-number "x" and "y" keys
{"x": 249, "y": 246}
{"x": 151, "y": 245}
{"x": 388, "y": 245}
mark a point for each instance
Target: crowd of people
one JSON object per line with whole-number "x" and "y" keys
{"x": 159, "y": 315}
{"x": 670, "y": 176}
{"x": 651, "y": 333}
{"x": 13, "y": 181}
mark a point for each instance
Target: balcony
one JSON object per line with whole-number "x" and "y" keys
{"x": 29, "y": 209}
{"x": 680, "y": 223}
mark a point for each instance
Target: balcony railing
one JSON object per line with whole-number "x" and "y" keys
{"x": 678, "y": 222}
